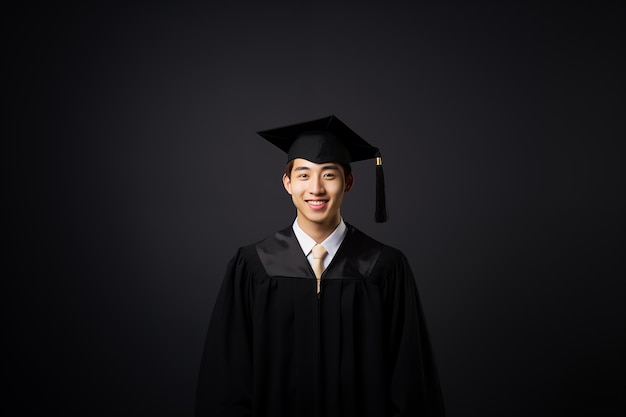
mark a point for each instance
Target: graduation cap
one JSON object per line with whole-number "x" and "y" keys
{"x": 329, "y": 140}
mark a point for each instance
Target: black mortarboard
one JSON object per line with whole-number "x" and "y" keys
{"x": 329, "y": 140}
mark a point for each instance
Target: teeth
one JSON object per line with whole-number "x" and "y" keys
{"x": 316, "y": 202}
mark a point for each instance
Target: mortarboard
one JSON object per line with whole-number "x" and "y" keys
{"x": 329, "y": 140}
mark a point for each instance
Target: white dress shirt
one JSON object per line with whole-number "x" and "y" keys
{"x": 331, "y": 243}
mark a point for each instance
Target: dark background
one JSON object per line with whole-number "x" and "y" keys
{"x": 133, "y": 174}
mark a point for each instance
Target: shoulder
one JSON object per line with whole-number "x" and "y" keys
{"x": 250, "y": 255}
{"x": 391, "y": 268}
{"x": 274, "y": 242}
{"x": 359, "y": 239}
{"x": 387, "y": 256}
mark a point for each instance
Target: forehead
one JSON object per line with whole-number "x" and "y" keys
{"x": 305, "y": 163}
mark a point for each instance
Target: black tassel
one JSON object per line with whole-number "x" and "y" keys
{"x": 381, "y": 205}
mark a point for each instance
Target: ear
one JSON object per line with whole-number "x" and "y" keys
{"x": 349, "y": 182}
{"x": 287, "y": 183}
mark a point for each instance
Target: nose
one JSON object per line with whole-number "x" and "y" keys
{"x": 316, "y": 186}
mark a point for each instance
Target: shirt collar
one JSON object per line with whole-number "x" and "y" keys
{"x": 331, "y": 243}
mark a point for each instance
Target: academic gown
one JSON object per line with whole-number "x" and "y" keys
{"x": 275, "y": 348}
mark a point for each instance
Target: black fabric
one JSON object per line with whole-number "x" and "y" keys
{"x": 319, "y": 147}
{"x": 275, "y": 348}
{"x": 317, "y": 141}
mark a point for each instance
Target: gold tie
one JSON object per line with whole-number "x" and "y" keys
{"x": 319, "y": 252}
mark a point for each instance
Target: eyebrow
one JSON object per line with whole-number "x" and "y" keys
{"x": 324, "y": 168}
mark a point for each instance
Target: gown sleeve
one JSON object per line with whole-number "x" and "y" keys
{"x": 225, "y": 379}
{"x": 414, "y": 387}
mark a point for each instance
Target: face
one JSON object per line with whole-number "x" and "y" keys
{"x": 317, "y": 192}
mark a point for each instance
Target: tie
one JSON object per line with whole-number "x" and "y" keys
{"x": 319, "y": 252}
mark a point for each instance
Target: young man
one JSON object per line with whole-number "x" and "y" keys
{"x": 319, "y": 319}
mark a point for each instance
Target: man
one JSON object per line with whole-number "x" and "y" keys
{"x": 319, "y": 319}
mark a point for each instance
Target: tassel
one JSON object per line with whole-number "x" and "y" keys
{"x": 381, "y": 206}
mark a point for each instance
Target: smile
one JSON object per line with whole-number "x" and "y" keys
{"x": 316, "y": 204}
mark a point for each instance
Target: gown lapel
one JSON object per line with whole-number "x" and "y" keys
{"x": 282, "y": 256}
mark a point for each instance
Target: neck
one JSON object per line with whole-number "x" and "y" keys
{"x": 318, "y": 231}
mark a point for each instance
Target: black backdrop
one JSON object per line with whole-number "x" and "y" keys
{"x": 133, "y": 173}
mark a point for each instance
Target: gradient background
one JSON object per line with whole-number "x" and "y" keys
{"x": 134, "y": 173}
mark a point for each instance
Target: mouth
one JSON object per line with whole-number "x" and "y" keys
{"x": 316, "y": 204}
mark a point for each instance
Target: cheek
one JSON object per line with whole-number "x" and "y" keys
{"x": 296, "y": 188}
{"x": 337, "y": 190}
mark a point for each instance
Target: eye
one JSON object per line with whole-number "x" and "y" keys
{"x": 303, "y": 175}
{"x": 329, "y": 175}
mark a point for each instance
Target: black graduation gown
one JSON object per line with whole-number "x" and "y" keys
{"x": 277, "y": 349}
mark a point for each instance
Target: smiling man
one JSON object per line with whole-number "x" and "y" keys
{"x": 317, "y": 192}
{"x": 319, "y": 319}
